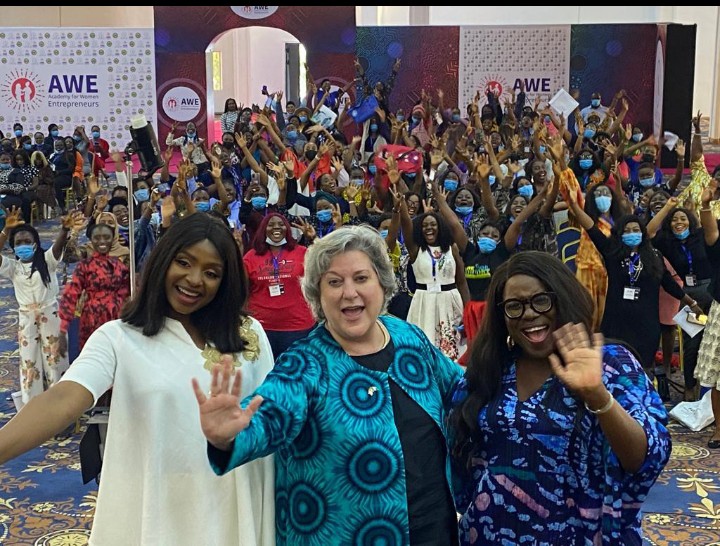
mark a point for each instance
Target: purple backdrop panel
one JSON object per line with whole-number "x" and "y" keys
{"x": 429, "y": 61}
{"x": 607, "y": 58}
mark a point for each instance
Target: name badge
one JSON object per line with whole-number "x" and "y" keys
{"x": 434, "y": 287}
{"x": 276, "y": 290}
{"x": 690, "y": 280}
{"x": 631, "y": 293}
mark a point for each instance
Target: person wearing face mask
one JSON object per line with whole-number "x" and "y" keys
{"x": 374, "y": 136}
{"x": 34, "y": 279}
{"x": 468, "y": 209}
{"x": 588, "y": 168}
{"x": 104, "y": 279}
{"x": 191, "y": 145}
{"x": 685, "y": 245}
{"x": 45, "y": 185}
{"x": 53, "y": 134}
{"x": 275, "y": 265}
{"x": 17, "y": 136}
{"x": 25, "y": 174}
{"x": 635, "y": 272}
{"x": 62, "y": 162}
{"x": 12, "y": 187}
{"x": 595, "y": 107}
{"x": 534, "y": 228}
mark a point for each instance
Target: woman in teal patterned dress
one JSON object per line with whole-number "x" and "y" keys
{"x": 562, "y": 442}
{"x": 355, "y": 412}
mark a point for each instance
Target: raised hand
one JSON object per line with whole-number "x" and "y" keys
{"x": 216, "y": 170}
{"x": 351, "y": 191}
{"x": 582, "y": 357}
{"x": 392, "y": 169}
{"x": 696, "y": 121}
{"x": 337, "y": 215}
{"x": 75, "y": 221}
{"x": 221, "y": 417}
{"x": 240, "y": 139}
{"x": 167, "y": 209}
{"x": 307, "y": 228}
{"x": 709, "y": 192}
{"x": 13, "y": 218}
{"x": 680, "y": 148}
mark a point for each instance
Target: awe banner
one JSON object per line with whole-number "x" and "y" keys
{"x": 499, "y": 58}
{"x": 77, "y": 76}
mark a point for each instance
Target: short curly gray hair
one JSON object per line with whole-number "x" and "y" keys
{"x": 348, "y": 238}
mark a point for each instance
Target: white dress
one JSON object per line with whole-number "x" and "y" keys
{"x": 156, "y": 486}
{"x": 437, "y": 313}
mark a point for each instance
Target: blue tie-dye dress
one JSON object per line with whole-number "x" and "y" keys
{"x": 544, "y": 473}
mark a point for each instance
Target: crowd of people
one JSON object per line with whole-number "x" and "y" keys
{"x": 382, "y": 336}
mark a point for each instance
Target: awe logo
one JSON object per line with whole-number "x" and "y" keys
{"x": 70, "y": 83}
{"x": 20, "y": 90}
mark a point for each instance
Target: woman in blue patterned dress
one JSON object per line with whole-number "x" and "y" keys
{"x": 561, "y": 443}
{"x": 356, "y": 412}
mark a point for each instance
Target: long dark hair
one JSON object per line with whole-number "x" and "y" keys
{"x": 651, "y": 261}
{"x": 38, "y": 262}
{"x": 592, "y": 210}
{"x": 666, "y": 228}
{"x": 258, "y": 242}
{"x": 219, "y": 321}
{"x": 444, "y": 239}
{"x": 490, "y": 355}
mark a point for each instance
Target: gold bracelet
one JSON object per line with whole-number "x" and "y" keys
{"x": 603, "y": 409}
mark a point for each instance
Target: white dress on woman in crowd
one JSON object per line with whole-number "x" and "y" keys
{"x": 436, "y": 305}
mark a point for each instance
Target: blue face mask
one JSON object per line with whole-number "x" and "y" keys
{"x": 77, "y": 138}
{"x": 373, "y": 127}
{"x": 202, "y": 206}
{"x": 96, "y": 134}
{"x": 595, "y": 103}
{"x": 541, "y": 149}
{"x": 456, "y": 118}
{"x": 683, "y": 234}
{"x": 585, "y": 163}
{"x": 647, "y": 182}
{"x": 637, "y": 137}
{"x": 603, "y": 202}
{"x": 25, "y": 252}
{"x": 372, "y": 169}
{"x": 526, "y": 191}
{"x": 190, "y": 134}
{"x": 18, "y": 133}
{"x": 383, "y": 233}
{"x": 400, "y": 117}
{"x": 292, "y": 135}
{"x": 259, "y": 202}
{"x": 486, "y": 244}
{"x": 415, "y": 120}
{"x": 411, "y": 175}
{"x": 450, "y": 184}
{"x": 54, "y": 133}
{"x": 324, "y": 215}
{"x": 589, "y": 133}
{"x": 463, "y": 211}
{"x": 303, "y": 119}
{"x": 27, "y": 147}
{"x": 632, "y": 239}
{"x": 5, "y": 166}
{"x": 548, "y": 119}
{"x": 142, "y": 194}
{"x": 491, "y": 179}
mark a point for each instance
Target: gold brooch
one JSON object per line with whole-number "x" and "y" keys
{"x": 250, "y": 353}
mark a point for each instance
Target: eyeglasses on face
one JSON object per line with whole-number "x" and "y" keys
{"x": 541, "y": 303}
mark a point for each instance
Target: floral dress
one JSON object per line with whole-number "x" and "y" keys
{"x": 101, "y": 284}
{"x": 436, "y": 306}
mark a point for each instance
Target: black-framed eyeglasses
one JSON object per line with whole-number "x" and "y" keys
{"x": 541, "y": 303}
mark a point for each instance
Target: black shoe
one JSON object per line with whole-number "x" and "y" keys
{"x": 663, "y": 388}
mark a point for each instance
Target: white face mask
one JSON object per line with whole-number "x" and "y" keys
{"x": 269, "y": 241}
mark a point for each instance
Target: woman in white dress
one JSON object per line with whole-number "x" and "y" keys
{"x": 156, "y": 487}
{"x": 441, "y": 287}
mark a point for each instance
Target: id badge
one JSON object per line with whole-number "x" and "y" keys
{"x": 434, "y": 288}
{"x": 690, "y": 280}
{"x": 276, "y": 290}
{"x": 631, "y": 293}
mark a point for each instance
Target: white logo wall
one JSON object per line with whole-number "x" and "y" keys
{"x": 496, "y": 57}
{"x": 77, "y": 76}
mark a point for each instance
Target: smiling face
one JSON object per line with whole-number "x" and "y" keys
{"x": 430, "y": 229}
{"x": 679, "y": 222}
{"x": 275, "y": 229}
{"x": 121, "y": 213}
{"x": 464, "y": 199}
{"x": 193, "y": 279}
{"x": 351, "y": 298}
{"x": 532, "y": 332}
{"x": 517, "y": 205}
{"x": 413, "y": 205}
{"x": 657, "y": 202}
{"x": 102, "y": 238}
